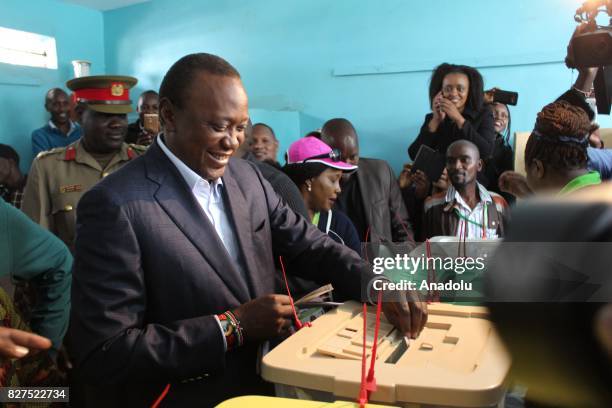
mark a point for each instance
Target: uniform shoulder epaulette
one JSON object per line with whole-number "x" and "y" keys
{"x": 70, "y": 153}
{"x": 135, "y": 150}
{"x": 53, "y": 151}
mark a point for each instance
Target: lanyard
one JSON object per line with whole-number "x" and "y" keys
{"x": 315, "y": 218}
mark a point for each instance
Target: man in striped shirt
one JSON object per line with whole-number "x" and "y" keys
{"x": 466, "y": 210}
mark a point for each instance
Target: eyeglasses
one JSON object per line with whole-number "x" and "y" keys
{"x": 333, "y": 154}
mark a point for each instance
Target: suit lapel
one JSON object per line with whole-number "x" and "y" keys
{"x": 236, "y": 204}
{"x": 178, "y": 202}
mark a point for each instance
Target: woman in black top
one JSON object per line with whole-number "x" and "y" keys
{"x": 456, "y": 99}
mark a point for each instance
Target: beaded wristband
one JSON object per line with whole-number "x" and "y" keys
{"x": 231, "y": 330}
{"x": 237, "y": 327}
{"x": 231, "y": 338}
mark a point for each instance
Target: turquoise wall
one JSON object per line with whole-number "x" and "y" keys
{"x": 307, "y": 61}
{"x": 368, "y": 61}
{"x": 79, "y": 34}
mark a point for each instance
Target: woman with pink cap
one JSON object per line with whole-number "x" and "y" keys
{"x": 316, "y": 169}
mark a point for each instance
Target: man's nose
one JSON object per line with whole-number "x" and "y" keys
{"x": 234, "y": 139}
{"x": 116, "y": 122}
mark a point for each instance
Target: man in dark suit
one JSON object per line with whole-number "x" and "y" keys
{"x": 370, "y": 196}
{"x": 174, "y": 269}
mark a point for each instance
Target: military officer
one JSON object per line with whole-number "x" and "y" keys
{"x": 59, "y": 177}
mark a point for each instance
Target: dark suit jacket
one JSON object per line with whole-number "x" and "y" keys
{"x": 383, "y": 205}
{"x": 150, "y": 272}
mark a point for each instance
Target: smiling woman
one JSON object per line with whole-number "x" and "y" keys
{"x": 456, "y": 99}
{"x": 502, "y": 157}
{"x": 316, "y": 169}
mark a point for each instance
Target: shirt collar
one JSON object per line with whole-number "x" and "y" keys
{"x": 589, "y": 179}
{"x": 453, "y": 196}
{"x": 191, "y": 177}
{"x": 72, "y": 126}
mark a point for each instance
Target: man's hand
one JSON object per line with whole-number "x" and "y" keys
{"x": 265, "y": 317}
{"x": 18, "y": 343}
{"x": 405, "y": 178}
{"x": 421, "y": 184}
{"x": 408, "y": 315}
{"x": 515, "y": 184}
{"x": 489, "y": 95}
{"x": 442, "y": 183}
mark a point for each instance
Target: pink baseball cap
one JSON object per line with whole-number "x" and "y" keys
{"x": 312, "y": 150}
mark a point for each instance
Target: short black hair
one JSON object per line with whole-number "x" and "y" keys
{"x": 314, "y": 133}
{"x": 475, "y": 98}
{"x": 464, "y": 142}
{"x": 268, "y": 127}
{"x": 148, "y": 92}
{"x": 51, "y": 93}
{"x": 8, "y": 152}
{"x": 181, "y": 73}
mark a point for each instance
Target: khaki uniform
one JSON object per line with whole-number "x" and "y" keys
{"x": 57, "y": 180}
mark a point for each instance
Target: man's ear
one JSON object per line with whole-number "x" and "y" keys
{"x": 166, "y": 115}
{"x": 480, "y": 164}
{"x": 540, "y": 171}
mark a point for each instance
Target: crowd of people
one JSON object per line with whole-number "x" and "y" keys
{"x": 161, "y": 241}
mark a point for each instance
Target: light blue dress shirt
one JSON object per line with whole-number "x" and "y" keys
{"x": 210, "y": 198}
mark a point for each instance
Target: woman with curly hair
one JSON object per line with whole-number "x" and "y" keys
{"x": 556, "y": 153}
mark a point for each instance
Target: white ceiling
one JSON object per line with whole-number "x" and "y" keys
{"x": 104, "y": 5}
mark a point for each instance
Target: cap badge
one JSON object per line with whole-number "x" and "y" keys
{"x": 117, "y": 89}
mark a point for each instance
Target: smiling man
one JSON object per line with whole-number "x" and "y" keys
{"x": 174, "y": 278}
{"x": 60, "y": 131}
{"x": 466, "y": 210}
{"x": 264, "y": 144}
{"x": 59, "y": 177}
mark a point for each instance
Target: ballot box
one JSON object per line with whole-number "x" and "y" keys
{"x": 457, "y": 361}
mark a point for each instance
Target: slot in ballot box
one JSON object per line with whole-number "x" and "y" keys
{"x": 457, "y": 361}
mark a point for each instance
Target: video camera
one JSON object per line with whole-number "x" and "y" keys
{"x": 593, "y": 48}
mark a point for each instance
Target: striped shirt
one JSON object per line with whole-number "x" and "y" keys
{"x": 447, "y": 214}
{"x": 472, "y": 222}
